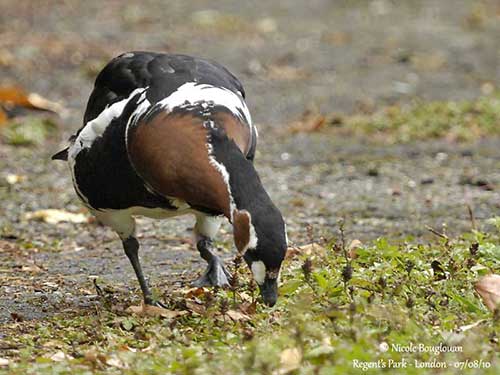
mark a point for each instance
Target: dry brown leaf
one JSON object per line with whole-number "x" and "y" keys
{"x": 31, "y": 268}
{"x": 312, "y": 120}
{"x": 237, "y": 316}
{"x": 3, "y": 117}
{"x": 308, "y": 124}
{"x": 16, "y": 96}
{"x": 245, "y": 297}
{"x": 290, "y": 360}
{"x": 54, "y": 216}
{"x": 249, "y": 308}
{"x": 40, "y": 103}
{"x": 90, "y": 356}
{"x": 126, "y": 348}
{"x": 116, "y": 362}
{"x": 488, "y": 288}
{"x": 429, "y": 62}
{"x": 13, "y": 179}
{"x": 353, "y": 246}
{"x": 309, "y": 249}
{"x": 286, "y": 72}
{"x": 194, "y": 292}
{"x": 195, "y": 307}
{"x": 154, "y": 311}
{"x": 336, "y": 38}
{"x": 60, "y": 356}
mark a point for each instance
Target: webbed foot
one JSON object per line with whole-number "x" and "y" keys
{"x": 216, "y": 274}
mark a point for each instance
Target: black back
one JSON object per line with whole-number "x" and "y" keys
{"x": 162, "y": 73}
{"x": 103, "y": 172}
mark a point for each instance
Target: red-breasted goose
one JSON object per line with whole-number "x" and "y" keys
{"x": 166, "y": 135}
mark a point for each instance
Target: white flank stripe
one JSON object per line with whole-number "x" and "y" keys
{"x": 196, "y": 93}
{"x": 225, "y": 176}
{"x": 96, "y": 127}
{"x": 143, "y": 105}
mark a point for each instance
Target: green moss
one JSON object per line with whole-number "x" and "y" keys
{"x": 458, "y": 121}
{"x": 31, "y": 131}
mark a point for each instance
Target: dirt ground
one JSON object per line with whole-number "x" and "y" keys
{"x": 333, "y": 56}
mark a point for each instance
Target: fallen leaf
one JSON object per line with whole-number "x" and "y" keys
{"x": 353, "y": 246}
{"x": 16, "y": 96}
{"x": 290, "y": 360}
{"x": 470, "y": 326}
{"x": 286, "y": 72}
{"x": 38, "y": 102}
{"x": 336, "y": 38}
{"x": 54, "y": 216}
{"x": 248, "y": 308}
{"x": 13, "y": 179}
{"x": 53, "y": 344}
{"x": 90, "y": 357}
{"x": 127, "y": 348}
{"x": 155, "y": 311}
{"x": 194, "y": 292}
{"x": 488, "y": 288}
{"x": 266, "y": 25}
{"x": 309, "y": 249}
{"x": 237, "y": 316}
{"x": 195, "y": 307}
{"x": 31, "y": 268}
{"x": 3, "y": 117}
{"x": 60, "y": 356}
{"x": 116, "y": 362}
{"x": 308, "y": 124}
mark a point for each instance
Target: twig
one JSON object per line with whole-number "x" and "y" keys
{"x": 471, "y": 216}
{"x": 432, "y": 230}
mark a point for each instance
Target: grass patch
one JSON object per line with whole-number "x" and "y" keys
{"x": 28, "y": 132}
{"x": 338, "y": 312}
{"x": 459, "y": 121}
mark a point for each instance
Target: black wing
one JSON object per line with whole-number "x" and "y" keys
{"x": 162, "y": 73}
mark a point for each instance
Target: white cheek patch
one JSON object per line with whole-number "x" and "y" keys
{"x": 258, "y": 271}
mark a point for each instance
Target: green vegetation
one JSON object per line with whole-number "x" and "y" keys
{"x": 457, "y": 121}
{"x": 339, "y": 304}
{"x": 28, "y": 132}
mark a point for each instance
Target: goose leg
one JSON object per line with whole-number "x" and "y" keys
{"x": 216, "y": 273}
{"x": 124, "y": 225}
{"x": 131, "y": 247}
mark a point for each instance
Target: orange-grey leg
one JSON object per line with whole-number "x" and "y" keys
{"x": 216, "y": 273}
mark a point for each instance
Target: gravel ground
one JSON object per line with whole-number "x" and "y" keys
{"x": 333, "y": 56}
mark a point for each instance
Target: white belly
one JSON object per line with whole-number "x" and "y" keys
{"x": 123, "y": 223}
